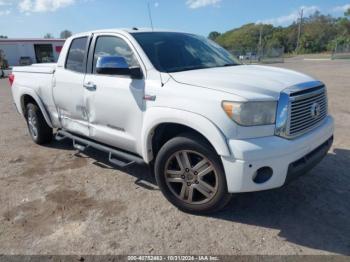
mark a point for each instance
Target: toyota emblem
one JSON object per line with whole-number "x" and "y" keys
{"x": 315, "y": 110}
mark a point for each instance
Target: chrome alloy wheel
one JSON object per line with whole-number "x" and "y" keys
{"x": 32, "y": 123}
{"x": 191, "y": 177}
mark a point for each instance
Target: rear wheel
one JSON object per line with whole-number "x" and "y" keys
{"x": 39, "y": 130}
{"x": 190, "y": 175}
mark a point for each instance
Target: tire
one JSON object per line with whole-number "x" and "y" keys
{"x": 194, "y": 186}
{"x": 39, "y": 130}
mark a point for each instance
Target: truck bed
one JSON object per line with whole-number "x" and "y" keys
{"x": 45, "y": 68}
{"x": 37, "y": 82}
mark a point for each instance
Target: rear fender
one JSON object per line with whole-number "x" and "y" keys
{"x": 30, "y": 92}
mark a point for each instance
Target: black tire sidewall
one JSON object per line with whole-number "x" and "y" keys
{"x": 44, "y": 131}
{"x": 189, "y": 142}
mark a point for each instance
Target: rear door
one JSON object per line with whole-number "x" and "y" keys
{"x": 68, "y": 91}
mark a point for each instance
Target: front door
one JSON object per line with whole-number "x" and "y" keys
{"x": 69, "y": 92}
{"x": 114, "y": 103}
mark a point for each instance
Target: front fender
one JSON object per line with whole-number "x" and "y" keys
{"x": 30, "y": 92}
{"x": 160, "y": 115}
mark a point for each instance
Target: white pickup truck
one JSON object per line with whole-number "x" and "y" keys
{"x": 208, "y": 125}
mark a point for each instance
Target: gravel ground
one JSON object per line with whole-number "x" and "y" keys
{"x": 56, "y": 201}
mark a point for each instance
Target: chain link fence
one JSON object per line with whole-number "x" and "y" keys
{"x": 341, "y": 52}
{"x": 264, "y": 56}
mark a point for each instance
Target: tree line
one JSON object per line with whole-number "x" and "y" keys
{"x": 63, "y": 35}
{"x": 318, "y": 33}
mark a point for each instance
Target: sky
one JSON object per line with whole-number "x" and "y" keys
{"x": 35, "y": 18}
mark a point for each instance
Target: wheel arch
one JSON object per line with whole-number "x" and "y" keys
{"x": 162, "y": 120}
{"x": 28, "y": 97}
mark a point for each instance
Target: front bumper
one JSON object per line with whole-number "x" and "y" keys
{"x": 306, "y": 163}
{"x": 286, "y": 158}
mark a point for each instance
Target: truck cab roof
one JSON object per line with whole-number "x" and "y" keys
{"x": 125, "y": 30}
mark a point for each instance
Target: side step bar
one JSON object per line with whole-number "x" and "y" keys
{"x": 116, "y": 157}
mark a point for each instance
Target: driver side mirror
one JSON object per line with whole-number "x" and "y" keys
{"x": 117, "y": 65}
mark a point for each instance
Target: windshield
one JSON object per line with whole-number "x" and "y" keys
{"x": 174, "y": 52}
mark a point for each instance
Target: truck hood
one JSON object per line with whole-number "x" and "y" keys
{"x": 248, "y": 81}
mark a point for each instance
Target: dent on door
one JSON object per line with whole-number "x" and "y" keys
{"x": 71, "y": 110}
{"x": 115, "y": 110}
{"x": 75, "y": 125}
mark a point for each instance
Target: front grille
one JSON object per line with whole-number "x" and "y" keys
{"x": 307, "y": 109}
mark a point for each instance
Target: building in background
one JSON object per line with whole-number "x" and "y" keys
{"x": 29, "y": 51}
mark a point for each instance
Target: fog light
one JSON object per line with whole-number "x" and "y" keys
{"x": 262, "y": 175}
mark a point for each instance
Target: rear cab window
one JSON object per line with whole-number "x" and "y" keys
{"x": 77, "y": 55}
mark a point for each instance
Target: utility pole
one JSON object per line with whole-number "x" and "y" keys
{"x": 301, "y": 13}
{"x": 260, "y": 39}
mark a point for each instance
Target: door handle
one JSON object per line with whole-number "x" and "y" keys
{"x": 90, "y": 86}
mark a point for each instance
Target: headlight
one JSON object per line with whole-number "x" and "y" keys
{"x": 251, "y": 113}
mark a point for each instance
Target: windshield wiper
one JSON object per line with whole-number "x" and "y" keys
{"x": 187, "y": 69}
{"x": 230, "y": 64}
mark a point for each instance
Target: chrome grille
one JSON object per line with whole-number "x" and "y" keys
{"x": 300, "y": 109}
{"x": 307, "y": 110}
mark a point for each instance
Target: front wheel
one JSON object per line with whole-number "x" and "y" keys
{"x": 190, "y": 175}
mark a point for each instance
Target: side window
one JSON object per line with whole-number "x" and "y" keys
{"x": 76, "y": 54}
{"x": 113, "y": 46}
